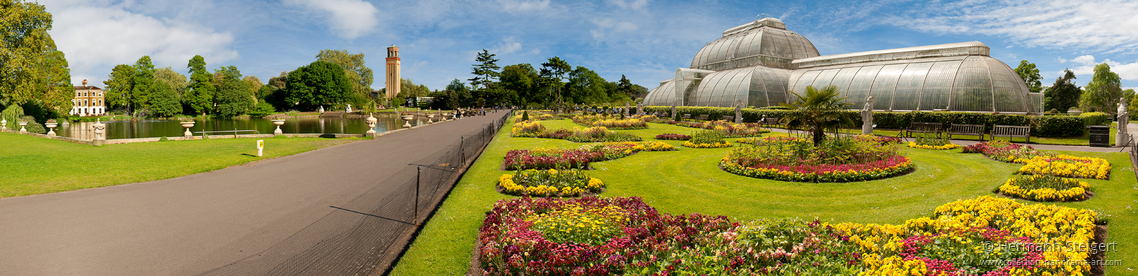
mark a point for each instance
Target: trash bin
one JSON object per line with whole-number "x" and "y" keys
{"x": 1100, "y": 136}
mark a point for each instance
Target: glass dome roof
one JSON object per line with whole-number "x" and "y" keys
{"x": 763, "y": 42}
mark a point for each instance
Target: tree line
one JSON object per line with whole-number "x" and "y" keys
{"x": 555, "y": 83}
{"x": 1102, "y": 94}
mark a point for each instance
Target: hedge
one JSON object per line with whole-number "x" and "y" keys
{"x": 1041, "y": 126}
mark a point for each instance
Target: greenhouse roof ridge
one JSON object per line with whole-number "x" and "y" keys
{"x": 972, "y": 48}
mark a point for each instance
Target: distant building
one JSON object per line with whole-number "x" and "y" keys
{"x": 88, "y": 101}
{"x": 393, "y": 77}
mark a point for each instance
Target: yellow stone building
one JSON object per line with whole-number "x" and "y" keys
{"x": 88, "y": 101}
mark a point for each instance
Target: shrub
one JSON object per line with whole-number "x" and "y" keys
{"x": 525, "y": 115}
{"x": 1094, "y": 118}
{"x": 1045, "y": 188}
{"x": 549, "y": 183}
{"x": 706, "y": 139}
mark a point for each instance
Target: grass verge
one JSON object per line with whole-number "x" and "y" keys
{"x": 689, "y": 181}
{"x": 33, "y": 165}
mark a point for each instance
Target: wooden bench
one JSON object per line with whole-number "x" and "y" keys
{"x": 921, "y": 127}
{"x": 686, "y": 117}
{"x": 703, "y": 117}
{"x": 963, "y": 129}
{"x": 1011, "y": 132}
{"x": 768, "y": 122}
{"x": 729, "y": 119}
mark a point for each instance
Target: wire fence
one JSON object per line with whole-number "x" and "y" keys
{"x": 367, "y": 234}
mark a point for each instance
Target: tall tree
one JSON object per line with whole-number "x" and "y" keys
{"x": 485, "y": 71}
{"x": 175, "y": 80}
{"x": 1062, "y": 95}
{"x": 1103, "y": 92}
{"x": 118, "y": 86}
{"x": 233, "y": 96}
{"x": 625, "y": 87}
{"x": 521, "y": 83}
{"x": 1030, "y": 76}
{"x": 553, "y": 72}
{"x": 31, "y": 67}
{"x": 142, "y": 84}
{"x": 355, "y": 70}
{"x": 164, "y": 102}
{"x": 200, "y": 90}
{"x": 816, "y": 111}
{"x": 317, "y": 84}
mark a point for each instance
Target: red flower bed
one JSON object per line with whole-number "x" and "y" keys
{"x": 550, "y": 159}
{"x": 672, "y": 136}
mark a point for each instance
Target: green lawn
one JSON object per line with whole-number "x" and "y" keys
{"x": 32, "y": 165}
{"x": 689, "y": 181}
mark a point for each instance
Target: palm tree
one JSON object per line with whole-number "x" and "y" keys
{"x": 816, "y": 111}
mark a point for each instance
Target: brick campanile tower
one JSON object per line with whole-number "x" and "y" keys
{"x": 393, "y": 78}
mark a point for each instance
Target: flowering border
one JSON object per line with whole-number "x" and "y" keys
{"x": 932, "y": 147}
{"x": 1067, "y": 166}
{"x": 707, "y": 145}
{"x": 893, "y": 166}
{"x": 516, "y": 184}
{"x": 1077, "y": 192}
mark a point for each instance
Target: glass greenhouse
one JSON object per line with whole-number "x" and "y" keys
{"x": 760, "y": 63}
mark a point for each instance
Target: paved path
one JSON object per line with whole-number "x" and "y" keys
{"x": 192, "y": 224}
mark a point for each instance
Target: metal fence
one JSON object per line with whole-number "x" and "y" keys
{"x": 367, "y": 234}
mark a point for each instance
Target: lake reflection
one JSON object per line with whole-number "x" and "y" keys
{"x": 173, "y": 128}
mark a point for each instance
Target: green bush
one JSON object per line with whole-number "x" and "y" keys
{"x": 1042, "y": 126}
{"x": 1094, "y": 118}
{"x": 261, "y": 110}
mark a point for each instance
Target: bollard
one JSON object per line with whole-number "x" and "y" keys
{"x": 260, "y": 147}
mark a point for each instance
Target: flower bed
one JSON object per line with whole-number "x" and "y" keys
{"x": 614, "y": 236}
{"x": 1045, "y": 188}
{"x": 579, "y": 158}
{"x": 549, "y": 183}
{"x": 933, "y": 147}
{"x": 613, "y": 123}
{"x": 835, "y": 160}
{"x": 1067, "y": 166}
{"x": 707, "y": 139}
{"x": 600, "y": 134}
{"x": 730, "y": 130}
{"x": 527, "y": 129}
{"x": 1004, "y": 151}
{"x": 672, "y": 136}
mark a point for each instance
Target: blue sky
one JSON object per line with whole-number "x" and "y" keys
{"x": 643, "y": 39}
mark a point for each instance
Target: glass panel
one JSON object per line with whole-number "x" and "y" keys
{"x": 739, "y": 88}
{"x": 1006, "y": 86}
{"x": 859, "y": 86}
{"x": 885, "y": 84}
{"x": 756, "y": 92}
{"x": 806, "y": 79}
{"x": 938, "y": 85}
{"x": 909, "y": 86}
{"x": 824, "y": 78}
{"x": 972, "y": 90}
{"x": 777, "y": 87}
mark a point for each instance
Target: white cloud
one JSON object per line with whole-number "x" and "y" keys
{"x": 635, "y": 5}
{"x": 1085, "y": 67}
{"x": 94, "y": 44}
{"x": 508, "y": 45}
{"x": 1106, "y": 25}
{"x": 604, "y": 25}
{"x": 523, "y": 5}
{"x": 349, "y": 18}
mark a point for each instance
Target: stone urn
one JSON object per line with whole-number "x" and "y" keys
{"x": 278, "y": 122}
{"x": 99, "y": 137}
{"x": 407, "y": 120}
{"x": 188, "y": 125}
{"x": 430, "y": 118}
{"x": 22, "y": 125}
{"x": 51, "y": 128}
{"x": 371, "y": 125}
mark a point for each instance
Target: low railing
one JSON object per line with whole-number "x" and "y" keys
{"x": 235, "y": 131}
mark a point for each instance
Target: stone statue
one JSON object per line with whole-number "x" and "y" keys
{"x": 640, "y": 109}
{"x": 673, "y": 110}
{"x": 867, "y": 117}
{"x": 321, "y": 109}
{"x": 1123, "y": 115}
{"x": 349, "y": 110}
{"x": 626, "y": 108}
{"x": 739, "y": 113}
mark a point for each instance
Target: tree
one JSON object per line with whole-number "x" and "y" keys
{"x": 485, "y": 71}
{"x": 553, "y": 72}
{"x": 233, "y": 96}
{"x": 586, "y": 86}
{"x": 1062, "y": 95}
{"x": 318, "y": 83}
{"x": 164, "y": 102}
{"x": 521, "y": 83}
{"x": 357, "y": 73}
{"x": 200, "y": 90}
{"x": 32, "y": 69}
{"x": 625, "y": 88}
{"x": 253, "y": 83}
{"x": 142, "y": 83}
{"x": 817, "y": 111}
{"x": 1030, "y": 76}
{"x": 175, "y": 80}
{"x": 410, "y": 89}
{"x": 1103, "y": 92}
{"x": 118, "y": 86}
